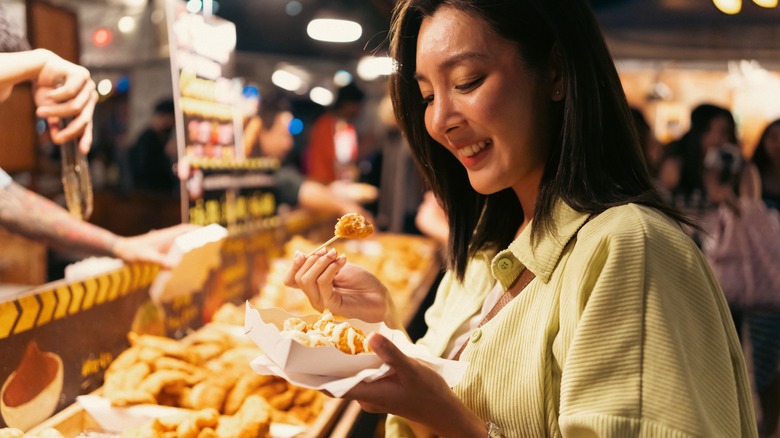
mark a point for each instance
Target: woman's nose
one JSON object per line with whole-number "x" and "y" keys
{"x": 445, "y": 117}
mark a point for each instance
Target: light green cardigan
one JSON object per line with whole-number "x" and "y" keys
{"x": 624, "y": 332}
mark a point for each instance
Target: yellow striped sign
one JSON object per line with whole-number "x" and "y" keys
{"x": 42, "y": 307}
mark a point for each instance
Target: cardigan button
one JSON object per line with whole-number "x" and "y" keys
{"x": 475, "y": 335}
{"x": 505, "y": 264}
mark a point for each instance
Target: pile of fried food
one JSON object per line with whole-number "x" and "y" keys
{"x": 326, "y": 332}
{"x": 207, "y": 373}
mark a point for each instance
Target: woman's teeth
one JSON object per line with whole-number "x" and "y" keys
{"x": 473, "y": 149}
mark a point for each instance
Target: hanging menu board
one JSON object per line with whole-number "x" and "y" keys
{"x": 223, "y": 184}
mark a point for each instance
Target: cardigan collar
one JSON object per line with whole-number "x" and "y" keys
{"x": 541, "y": 258}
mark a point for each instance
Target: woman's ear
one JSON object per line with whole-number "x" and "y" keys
{"x": 557, "y": 81}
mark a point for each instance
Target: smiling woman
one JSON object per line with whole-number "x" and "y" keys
{"x": 581, "y": 306}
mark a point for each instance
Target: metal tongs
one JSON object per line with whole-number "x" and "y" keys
{"x": 75, "y": 178}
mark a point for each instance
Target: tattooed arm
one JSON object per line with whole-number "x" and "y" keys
{"x": 37, "y": 218}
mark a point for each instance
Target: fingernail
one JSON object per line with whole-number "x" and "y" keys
{"x": 298, "y": 256}
{"x": 376, "y": 342}
{"x": 332, "y": 253}
{"x": 322, "y": 251}
{"x": 342, "y": 258}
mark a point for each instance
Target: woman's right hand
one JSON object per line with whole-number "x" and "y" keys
{"x": 347, "y": 290}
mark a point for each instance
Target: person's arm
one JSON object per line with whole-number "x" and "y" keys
{"x": 62, "y": 90}
{"x": 35, "y": 217}
{"x": 319, "y": 197}
{"x": 20, "y": 67}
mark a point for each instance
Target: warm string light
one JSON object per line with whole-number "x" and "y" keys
{"x": 732, "y": 7}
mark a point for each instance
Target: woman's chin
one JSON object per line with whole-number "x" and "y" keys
{"x": 483, "y": 187}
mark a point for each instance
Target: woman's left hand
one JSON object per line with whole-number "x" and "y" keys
{"x": 415, "y": 392}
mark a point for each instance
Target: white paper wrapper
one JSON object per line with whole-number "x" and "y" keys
{"x": 117, "y": 420}
{"x": 327, "y": 368}
{"x": 193, "y": 255}
{"x": 91, "y": 267}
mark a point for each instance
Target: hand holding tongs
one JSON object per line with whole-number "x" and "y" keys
{"x": 76, "y": 182}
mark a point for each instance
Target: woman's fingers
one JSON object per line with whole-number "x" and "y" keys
{"x": 310, "y": 277}
{"x": 325, "y": 280}
{"x": 297, "y": 262}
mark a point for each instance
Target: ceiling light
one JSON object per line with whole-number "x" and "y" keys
{"x": 371, "y": 67}
{"x": 126, "y": 24}
{"x": 321, "y": 95}
{"x": 342, "y": 78}
{"x": 766, "y": 3}
{"x": 333, "y": 30}
{"x": 101, "y": 37}
{"x": 730, "y": 7}
{"x": 293, "y": 8}
{"x": 285, "y": 79}
{"x": 104, "y": 87}
{"x": 194, "y": 6}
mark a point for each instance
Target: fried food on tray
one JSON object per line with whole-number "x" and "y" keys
{"x": 214, "y": 376}
{"x": 326, "y": 331}
{"x": 253, "y": 419}
{"x": 353, "y": 226}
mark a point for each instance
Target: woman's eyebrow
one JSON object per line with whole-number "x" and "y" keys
{"x": 453, "y": 61}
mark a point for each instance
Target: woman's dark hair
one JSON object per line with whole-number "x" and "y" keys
{"x": 594, "y": 161}
{"x": 690, "y": 151}
{"x": 760, "y": 156}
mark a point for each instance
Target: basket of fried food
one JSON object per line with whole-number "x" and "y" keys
{"x": 317, "y": 344}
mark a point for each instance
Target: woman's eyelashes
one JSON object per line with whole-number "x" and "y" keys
{"x": 463, "y": 88}
{"x": 471, "y": 85}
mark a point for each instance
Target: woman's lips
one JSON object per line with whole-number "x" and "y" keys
{"x": 471, "y": 150}
{"x": 473, "y": 154}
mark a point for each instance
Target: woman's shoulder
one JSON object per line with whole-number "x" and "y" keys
{"x": 632, "y": 222}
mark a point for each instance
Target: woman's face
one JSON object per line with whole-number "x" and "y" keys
{"x": 482, "y": 103}
{"x": 717, "y": 134}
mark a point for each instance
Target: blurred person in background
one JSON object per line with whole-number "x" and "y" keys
{"x": 267, "y": 134}
{"x": 151, "y": 157}
{"x": 62, "y": 90}
{"x": 680, "y": 171}
{"x": 580, "y": 305}
{"x": 764, "y": 328}
{"x": 733, "y": 188}
{"x": 333, "y": 143}
{"x": 766, "y": 158}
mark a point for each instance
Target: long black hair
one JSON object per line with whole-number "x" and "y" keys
{"x": 594, "y": 160}
{"x": 760, "y": 155}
